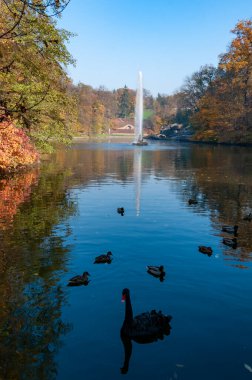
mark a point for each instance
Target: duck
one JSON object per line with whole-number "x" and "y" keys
{"x": 230, "y": 229}
{"x": 192, "y": 201}
{"x": 206, "y": 250}
{"x": 79, "y": 280}
{"x": 230, "y": 242}
{"x": 248, "y": 217}
{"x": 105, "y": 258}
{"x": 145, "y": 327}
{"x": 156, "y": 271}
{"x": 120, "y": 210}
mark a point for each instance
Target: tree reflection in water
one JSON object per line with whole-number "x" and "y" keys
{"x": 32, "y": 255}
{"x": 31, "y": 259}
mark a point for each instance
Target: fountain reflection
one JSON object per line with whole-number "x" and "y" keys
{"x": 138, "y": 178}
{"x": 219, "y": 178}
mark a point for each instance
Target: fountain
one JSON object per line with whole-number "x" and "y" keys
{"x": 139, "y": 113}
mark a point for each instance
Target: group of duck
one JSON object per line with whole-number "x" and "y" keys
{"x": 150, "y": 326}
{"x": 231, "y": 242}
{"x": 156, "y": 271}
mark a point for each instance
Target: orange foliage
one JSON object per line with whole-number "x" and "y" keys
{"x": 13, "y": 192}
{"x": 237, "y": 56}
{"x": 16, "y": 149}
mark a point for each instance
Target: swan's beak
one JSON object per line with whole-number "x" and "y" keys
{"x": 123, "y": 298}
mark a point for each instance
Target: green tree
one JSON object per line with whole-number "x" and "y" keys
{"x": 34, "y": 84}
{"x": 125, "y": 106}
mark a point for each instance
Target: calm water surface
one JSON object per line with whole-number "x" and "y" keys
{"x": 56, "y": 219}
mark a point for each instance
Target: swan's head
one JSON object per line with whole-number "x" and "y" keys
{"x": 85, "y": 274}
{"x": 109, "y": 253}
{"x": 125, "y": 294}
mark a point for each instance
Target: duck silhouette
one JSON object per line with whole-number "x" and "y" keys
{"x": 230, "y": 229}
{"x": 206, "y": 250}
{"x": 79, "y": 280}
{"x": 156, "y": 271}
{"x": 192, "y": 201}
{"x": 103, "y": 259}
{"x": 120, "y": 211}
{"x": 230, "y": 242}
{"x": 144, "y": 328}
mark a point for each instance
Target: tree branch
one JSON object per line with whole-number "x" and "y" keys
{"x": 17, "y": 22}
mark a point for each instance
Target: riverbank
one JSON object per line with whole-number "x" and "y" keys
{"x": 196, "y": 140}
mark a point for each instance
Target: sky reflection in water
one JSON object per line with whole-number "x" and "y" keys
{"x": 69, "y": 216}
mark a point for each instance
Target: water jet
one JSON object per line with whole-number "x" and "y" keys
{"x": 139, "y": 113}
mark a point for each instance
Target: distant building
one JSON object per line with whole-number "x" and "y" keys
{"x": 122, "y": 126}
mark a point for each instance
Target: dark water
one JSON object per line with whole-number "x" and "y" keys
{"x": 56, "y": 219}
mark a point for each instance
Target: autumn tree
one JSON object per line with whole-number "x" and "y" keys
{"x": 33, "y": 57}
{"x": 197, "y": 84}
{"x": 238, "y": 62}
{"x": 224, "y": 112}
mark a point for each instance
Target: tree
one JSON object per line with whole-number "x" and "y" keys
{"x": 224, "y": 112}
{"x": 34, "y": 84}
{"x": 125, "y": 103}
{"x": 238, "y": 61}
{"x": 16, "y": 10}
{"x": 197, "y": 84}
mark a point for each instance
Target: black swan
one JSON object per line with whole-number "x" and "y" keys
{"x": 206, "y": 250}
{"x": 79, "y": 280}
{"x": 147, "y": 327}
{"x": 102, "y": 259}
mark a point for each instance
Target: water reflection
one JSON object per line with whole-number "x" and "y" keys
{"x": 13, "y": 192}
{"x": 138, "y": 177}
{"x": 38, "y": 217}
{"x": 218, "y": 177}
{"x": 32, "y": 257}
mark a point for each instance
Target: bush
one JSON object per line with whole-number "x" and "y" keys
{"x": 16, "y": 149}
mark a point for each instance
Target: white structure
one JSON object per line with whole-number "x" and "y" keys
{"x": 139, "y": 113}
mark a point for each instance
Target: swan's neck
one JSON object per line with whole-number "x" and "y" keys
{"x": 128, "y": 312}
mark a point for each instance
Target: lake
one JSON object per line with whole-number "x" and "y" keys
{"x": 55, "y": 219}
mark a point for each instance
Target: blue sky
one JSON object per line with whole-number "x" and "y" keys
{"x": 166, "y": 39}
